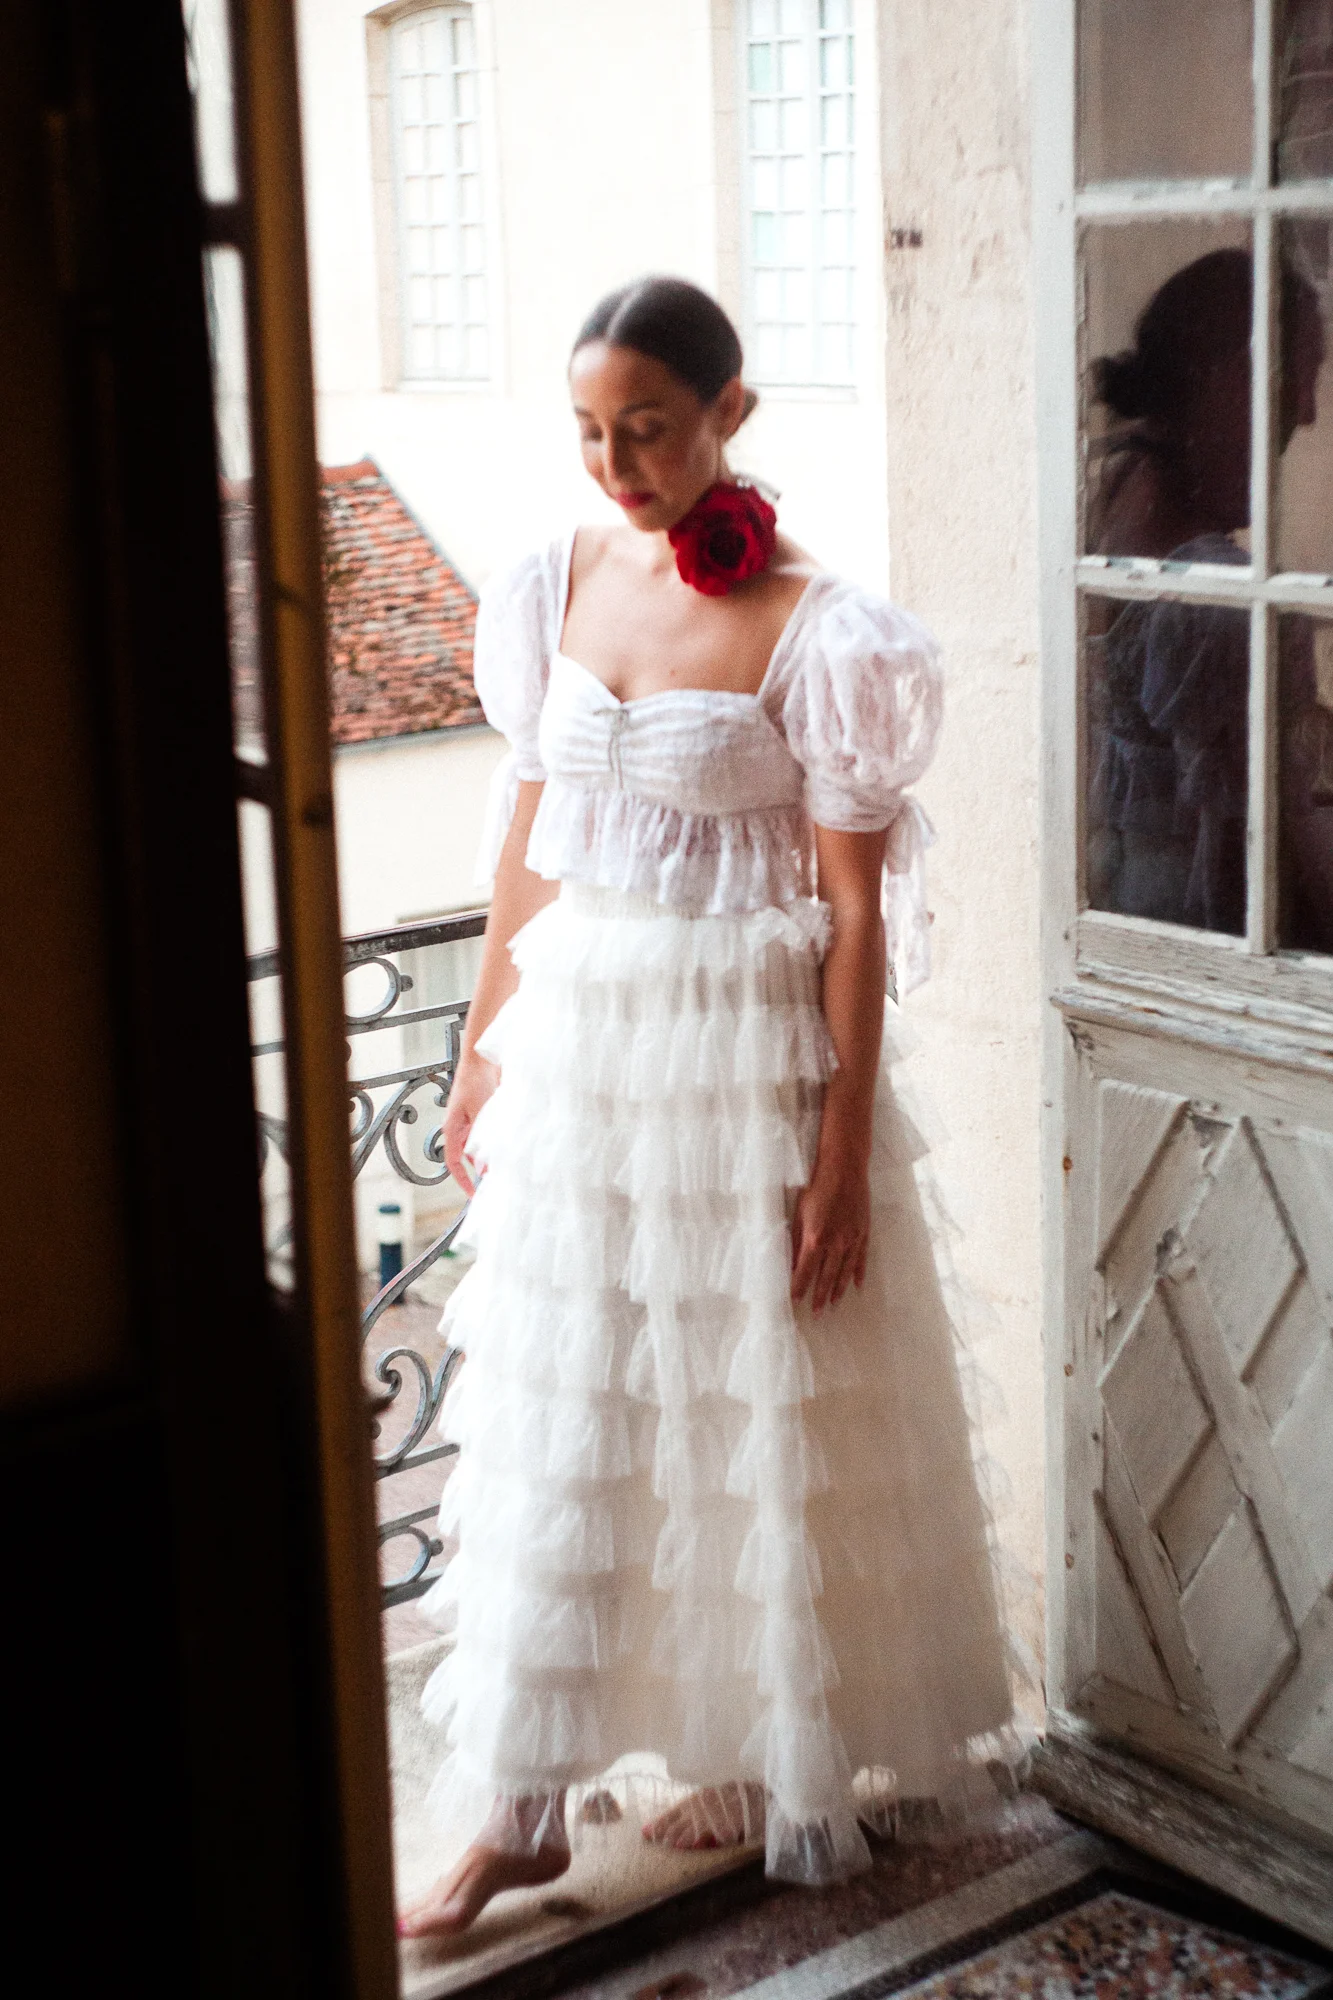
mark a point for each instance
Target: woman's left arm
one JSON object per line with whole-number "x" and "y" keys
{"x": 831, "y": 1226}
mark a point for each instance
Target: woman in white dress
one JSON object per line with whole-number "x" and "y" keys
{"x": 715, "y": 1498}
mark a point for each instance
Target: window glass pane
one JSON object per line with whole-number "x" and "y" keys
{"x": 224, "y": 301}
{"x": 1167, "y": 702}
{"x": 796, "y": 238}
{"x": 259, "y": 897}
{"x": 1305, "y": 784}
{"x": 1303, "y": 524}
{"x": 796, "y": 354}
{"x": 796, "y": 295}
{"x": 1305, "y": 91}
{"x": 834, "y": 67}
{"x": 1165, "y": 89}
{"x": 768, "y": 353}
{"x": 795, "y": 183}
{"x": 1167, "y": 390}
{"x": 762, "y": 67}
{"x": 835, "y": 120}
{"x": 835, "y": 354}
{"x": 763, "y": 127}
{"x": 795, "y": 126}
{"x": 792, "y": 68}
{"x": 208, "y": 62}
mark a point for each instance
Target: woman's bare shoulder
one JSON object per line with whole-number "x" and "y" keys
{"x": 789, "y": 572}
{"x": 789, "y": 556}
{"x": 594, "y": 544}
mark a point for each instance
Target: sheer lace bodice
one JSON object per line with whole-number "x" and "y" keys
{"x": 704, "y": 800}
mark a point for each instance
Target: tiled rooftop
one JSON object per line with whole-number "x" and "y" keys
{"x": 400, "y": 618}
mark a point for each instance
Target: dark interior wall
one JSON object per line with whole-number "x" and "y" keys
{"x": 90, "y": 1690}
{"x": 167, "y": 1749}
{"x": 62, "y": 1248}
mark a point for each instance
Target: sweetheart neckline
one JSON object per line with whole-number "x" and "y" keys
{"x": 659, "y": 694}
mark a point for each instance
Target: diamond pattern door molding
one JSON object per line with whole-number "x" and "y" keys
{"x": 1215, "y": 1514}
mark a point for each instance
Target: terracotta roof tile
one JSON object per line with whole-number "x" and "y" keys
{"x": 400, "y": 618}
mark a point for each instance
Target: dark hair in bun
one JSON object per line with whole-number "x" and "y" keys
{"x": 1200, "y": 316}
{"x": 676, "y": 323}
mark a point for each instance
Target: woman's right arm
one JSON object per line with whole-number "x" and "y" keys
{"x": 517, "y": 897}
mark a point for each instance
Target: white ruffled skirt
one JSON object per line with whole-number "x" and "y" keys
{"x": 692, "y": 1520}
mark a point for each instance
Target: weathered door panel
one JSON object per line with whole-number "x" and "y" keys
{"x": 1199, "y": 1417}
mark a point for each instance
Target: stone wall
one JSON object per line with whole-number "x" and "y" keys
{"x": 962, "y": 529}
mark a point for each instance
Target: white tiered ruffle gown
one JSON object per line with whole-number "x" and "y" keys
{"x": 692, "y": 1520}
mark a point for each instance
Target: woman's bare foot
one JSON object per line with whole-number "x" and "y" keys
{"x": 721, "y": 1816}
{"x": 459, "y": 1898}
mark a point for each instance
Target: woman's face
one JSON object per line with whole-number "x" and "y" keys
{"x": 649, "y": 441}
{"x": 1215, "y": 437}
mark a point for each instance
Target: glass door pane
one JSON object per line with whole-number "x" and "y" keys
{"x": 1304, "y": 60}
{"x": 1305, "y": 767}
{"x": 1167, "y": 752}
{"x": 1303, "y": 526}
{"x": 1167, "y": 389}
{"x": 1165, "y": 89}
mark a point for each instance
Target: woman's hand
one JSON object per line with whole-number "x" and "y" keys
{"x": 517, "y": 898}
{"x": 474, "y": 1080}
{"x": 831, "y": 1233}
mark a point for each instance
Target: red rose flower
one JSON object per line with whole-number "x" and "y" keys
{"x": 728, "y": 535}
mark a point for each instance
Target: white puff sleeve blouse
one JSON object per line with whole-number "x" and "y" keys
{"x": 706, "y": 801}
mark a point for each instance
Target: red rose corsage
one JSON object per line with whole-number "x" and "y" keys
{"x": 728, "y": 535}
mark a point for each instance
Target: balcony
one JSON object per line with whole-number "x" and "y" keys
{"x": 407, "y": 998}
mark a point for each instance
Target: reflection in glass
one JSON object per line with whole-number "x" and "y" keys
{"x": 1165, "y": 88}
{"x": 268, "y": 1062}
{"x": 224, "y": 296}
{"x": 208, "y": 62}
{"x": 1168, "y": 732}
{"x": 1305, "y": 91}
{"x": 1168, "y": 390}
{"x": 1303, "y": 525}
{"x": 1305, "y": 783}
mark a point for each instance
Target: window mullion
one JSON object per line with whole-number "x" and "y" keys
{"x": 1261, "y": 812}
{"x": 1265, "y": 29}
{"x": 1261, "y": 889}
{"x": 1261, "y": 873}
{"x": 458, "y": 287}
{"x": 815, "y": 183}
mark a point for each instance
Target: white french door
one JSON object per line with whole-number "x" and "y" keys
{"x": 1184, "y": 179}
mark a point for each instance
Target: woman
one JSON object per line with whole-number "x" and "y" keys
{"x": 715, "y": 1499}
{"x": 1169, "y": 704}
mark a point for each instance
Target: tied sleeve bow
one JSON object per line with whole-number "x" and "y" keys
{"x": 906, "y": 918}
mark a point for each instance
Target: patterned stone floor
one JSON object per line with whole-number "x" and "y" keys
{"x": 1118, "y": 1947}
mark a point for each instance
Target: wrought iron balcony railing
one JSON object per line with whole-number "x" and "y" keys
{"x": 396, "y": 1103}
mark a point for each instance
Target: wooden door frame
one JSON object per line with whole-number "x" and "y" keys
{"x": 199, "y": 1674}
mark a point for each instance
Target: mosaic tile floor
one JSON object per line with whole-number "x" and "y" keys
{"x": 1115, "y": 1947}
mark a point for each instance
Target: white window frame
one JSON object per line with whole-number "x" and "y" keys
{"x": 482, "y": 219}
{"x": 1089, "y": 948}
{"x": 752, "y": 274}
